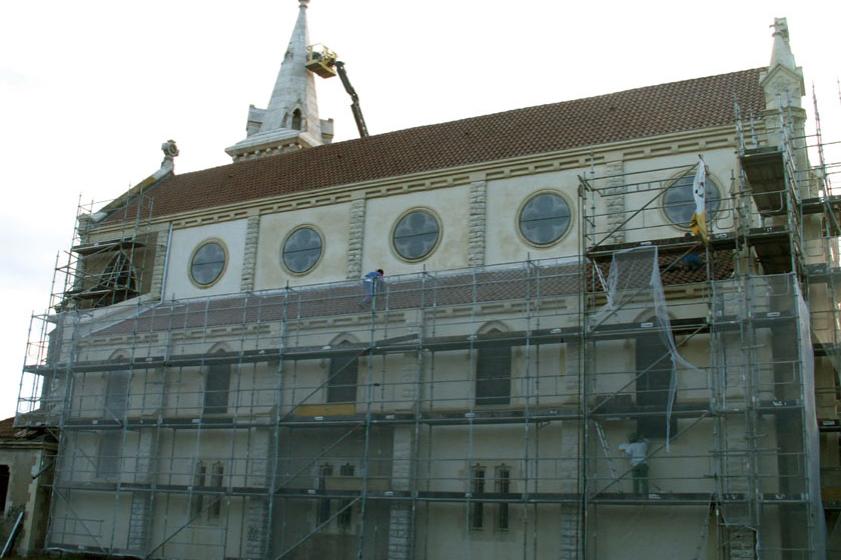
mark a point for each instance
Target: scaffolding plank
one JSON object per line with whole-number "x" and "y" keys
{"x": 106, "y": 246}
{"x": 765, "y": 171}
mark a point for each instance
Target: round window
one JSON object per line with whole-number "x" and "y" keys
{"x": 544, "y": 218}
{"x": 679, "y": 203}
{"x": 302, "y": 249}
{"x": 416, "y": 235}
{"x": 208, "y": 263}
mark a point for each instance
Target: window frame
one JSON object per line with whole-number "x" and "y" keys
{"x": 502, "y": 486}
{"x": 117, "y": 391}
{"x": 478, "y": 480}
{"x": 201, "y": 245}
{"x": 652, "y": 382}
{"x": 286, "y": 239}
{"x": 209, "y": 406}
{"x": 217, "y": 482}
{"x": 518, "y": 218}
{"x": 404, "y": 215}
{"x": 493, "y": 352}
{"x": 199, "y": 481}
{"x": 334, "y": 390}
{"x": 109, "y": 441}
{"x": 324, "y": 507}
{"x": 710, "y": 182}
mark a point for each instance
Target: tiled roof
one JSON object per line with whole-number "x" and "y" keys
{"x": 638, "y": 113}
{"x": 8, "y": 431}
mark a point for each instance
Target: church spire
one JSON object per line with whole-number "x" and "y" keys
{"x": 291, "y": 121}
{"x": 781, "y": 52}
{"x": 783, "y": 81}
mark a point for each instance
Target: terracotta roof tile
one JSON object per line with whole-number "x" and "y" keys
{"x": 637, "y": 113}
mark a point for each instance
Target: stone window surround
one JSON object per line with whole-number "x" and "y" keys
{"x": 286, "y": 239}
{"x": 522, "y": 207}
{"x": 221, "y": 274}
{"x": 434, "y": 247}
{"x": 716, "y": 184}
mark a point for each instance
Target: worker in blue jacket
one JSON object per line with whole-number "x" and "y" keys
{"x": 372, "y": 284}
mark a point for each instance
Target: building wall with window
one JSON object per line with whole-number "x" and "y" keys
{"x": 504, "y": 206}
{"x": 187, "y": 277}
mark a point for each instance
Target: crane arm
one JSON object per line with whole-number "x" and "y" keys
{"x": 354, "y": 106}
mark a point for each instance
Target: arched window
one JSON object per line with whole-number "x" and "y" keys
{"x": 116, "y": 394}
{"x": 217, "y": 385}
{"x": 344, "y": 370}
{"x": 654, "y": 374}
{"x": 117, "y": 387}
{"x": 297, "y": 121}
{"x": 493, "y": 371}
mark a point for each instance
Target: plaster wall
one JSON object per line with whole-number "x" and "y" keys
{"x": 451, "y": 205}
{"x": 444, "y": 532}
{"x": 332, "y": 222}
{"x": 503, "y": 241}
{"x": 90, "y": 520}
{"x": 627, "y": 534}
{"x": 178, "y": 284}
{"x": 652, "y": 222}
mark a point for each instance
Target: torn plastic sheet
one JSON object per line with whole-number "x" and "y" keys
{"x": 633, "y": 287}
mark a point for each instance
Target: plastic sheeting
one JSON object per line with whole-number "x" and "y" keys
{"x": 634, "y": 286}
{"x": 811, "y": 440}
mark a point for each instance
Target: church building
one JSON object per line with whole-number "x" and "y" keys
{"x": 600, "y": 328}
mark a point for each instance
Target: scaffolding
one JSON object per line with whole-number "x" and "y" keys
{"x": 474, "y": 412}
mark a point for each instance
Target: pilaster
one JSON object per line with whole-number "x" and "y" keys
{"x": 615, "y": 200}
{"x": 400, "y": 517}
{"x": 356, "y": 237}
{"x": 477, "y": 222}
{"x": 249, "y": 257}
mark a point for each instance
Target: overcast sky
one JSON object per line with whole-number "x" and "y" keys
{"x": 89, "y": 89}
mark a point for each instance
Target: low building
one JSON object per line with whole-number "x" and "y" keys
{"x": 26, "y": 468}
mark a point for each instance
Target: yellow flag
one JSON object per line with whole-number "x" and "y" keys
{"x": 698, "y": 225}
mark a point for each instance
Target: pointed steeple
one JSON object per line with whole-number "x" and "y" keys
{"x": 291, "y": 121}
{"x": 783, "y": 82}
{"x": 781, "y": 53}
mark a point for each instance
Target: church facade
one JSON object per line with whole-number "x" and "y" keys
{"x": 559, "y": 360}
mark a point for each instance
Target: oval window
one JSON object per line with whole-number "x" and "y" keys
{"x": 302, "y": 250}
{"x": 208, "y": 263}
{"x": 544, "y": 218}
{"x": 416, "y": 235}
{"x": 679, "y": 203}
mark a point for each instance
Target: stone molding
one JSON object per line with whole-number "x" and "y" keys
{"x": 356, "y": 239}
{"x": 477, "y": 223}
{"x": 249, "y": 257}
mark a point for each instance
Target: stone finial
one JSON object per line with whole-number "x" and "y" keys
{"x": 781, "y": 53}
{"x": 170, "y": 151}
{"x": 780, "y": 28}
{"x": 303, "y": 3}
